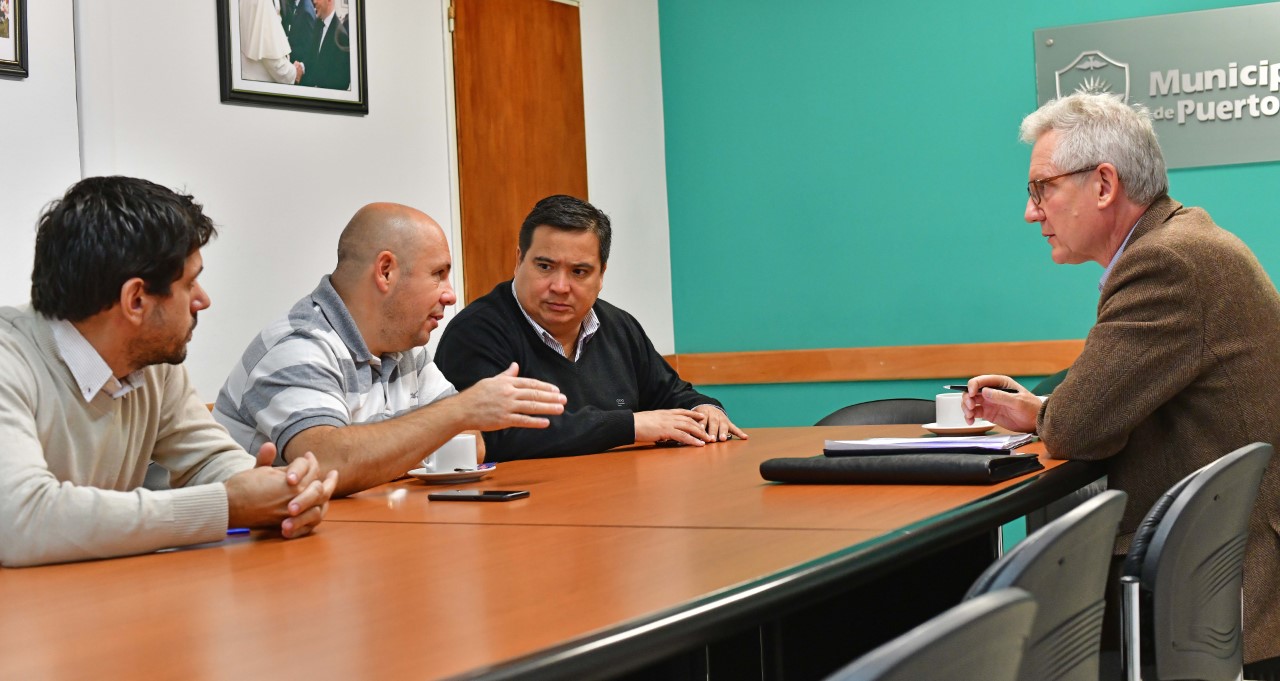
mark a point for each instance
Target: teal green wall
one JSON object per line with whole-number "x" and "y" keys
{"x": 848, "y": 174}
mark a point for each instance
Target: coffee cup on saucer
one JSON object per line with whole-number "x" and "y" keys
{"x": 947, "y": 411}
{"x": 457, "y": 453}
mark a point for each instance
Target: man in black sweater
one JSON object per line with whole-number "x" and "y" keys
{"x": 550, "y": 322}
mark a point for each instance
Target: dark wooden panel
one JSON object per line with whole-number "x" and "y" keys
{"x": 521, "y": 130}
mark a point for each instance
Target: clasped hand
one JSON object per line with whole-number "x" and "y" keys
{"x": 292, "y": 499}
{"x": 698, "y": 426}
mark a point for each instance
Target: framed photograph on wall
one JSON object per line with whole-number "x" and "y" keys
{"x": 295, "y": 54}
{"x": 13, "y": 38}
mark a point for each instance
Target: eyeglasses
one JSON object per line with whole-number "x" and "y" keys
{"x": 1035, "y": 188}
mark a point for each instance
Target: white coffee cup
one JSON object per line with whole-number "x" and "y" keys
{"x": 459, "y": 452}
{"x": 947, "y": 411}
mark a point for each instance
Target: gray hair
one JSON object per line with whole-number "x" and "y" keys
{"x": 1101, "y": 128}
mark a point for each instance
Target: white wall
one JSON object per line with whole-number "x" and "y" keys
{"x": 626, "y": 161}
{"x": 281, "y": 184}
{"x": 40, "y": 155}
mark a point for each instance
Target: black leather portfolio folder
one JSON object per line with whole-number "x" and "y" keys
{"x": 927, "y": 469}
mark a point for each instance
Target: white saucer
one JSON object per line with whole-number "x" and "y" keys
{"x": 979, "y": 427}
{"x": 481, "y": 472}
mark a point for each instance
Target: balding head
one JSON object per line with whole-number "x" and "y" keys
{"x": 379, "y": 227}
{"x": 393, "y": 275}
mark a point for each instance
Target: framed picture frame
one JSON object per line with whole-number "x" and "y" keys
{"x": 13, "y": 38}
{"x": 293, "y": 54}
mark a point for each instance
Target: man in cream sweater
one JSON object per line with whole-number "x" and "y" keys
{"x": 92, "y": 390}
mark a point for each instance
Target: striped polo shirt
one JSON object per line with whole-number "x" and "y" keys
{"x": 312, "y": 368}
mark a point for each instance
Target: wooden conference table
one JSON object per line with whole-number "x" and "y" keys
{"x": 652, "y": 561}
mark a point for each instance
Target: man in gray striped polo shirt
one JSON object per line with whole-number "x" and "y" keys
{"x": 345, "y": 375}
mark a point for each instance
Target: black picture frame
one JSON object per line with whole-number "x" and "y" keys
{"x": 249, "y": 81}
{"x": 13, "y": 39}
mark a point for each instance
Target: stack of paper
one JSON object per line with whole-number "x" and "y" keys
{"x": 982, "y": 444}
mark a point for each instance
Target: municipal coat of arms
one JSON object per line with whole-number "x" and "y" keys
{"x": 1093, "y": 71}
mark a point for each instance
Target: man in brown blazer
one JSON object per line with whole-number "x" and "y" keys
{"x": 1178, "y": 370}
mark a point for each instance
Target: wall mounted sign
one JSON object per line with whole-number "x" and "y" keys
{"x": 1211, "y": 79}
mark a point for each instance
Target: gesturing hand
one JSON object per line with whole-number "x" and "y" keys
{"x": 508, "y": 400}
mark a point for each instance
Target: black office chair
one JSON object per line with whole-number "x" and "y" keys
{"x": 1183, "y": 576}
{"x": 979, "y": 640}
{"x": 1064, "y": 567}
{"x": 881, "y": 412}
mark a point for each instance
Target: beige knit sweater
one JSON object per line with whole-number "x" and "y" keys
{"x": 71, "y": 471}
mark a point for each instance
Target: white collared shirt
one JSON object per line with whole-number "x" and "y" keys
{"x": 324, "y": 28}
{"x": 90, "y": 371}
{"x": 1107, "y": 272}
{"x": 590, "y": 325}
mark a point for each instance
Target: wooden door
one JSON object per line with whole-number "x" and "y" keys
{"x": 521, "y": 133}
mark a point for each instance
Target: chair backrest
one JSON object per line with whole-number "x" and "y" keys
{"x": 1048, "y": 383}
{"x": 979, "y": 640}
{"x": 882, "y": 412}
{"x": 1188, "y": 555}
{"x": 1064, "y": 566}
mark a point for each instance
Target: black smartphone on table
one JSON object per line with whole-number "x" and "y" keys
{"x": 479, "y": 495}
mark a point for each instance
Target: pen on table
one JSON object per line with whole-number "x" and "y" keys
{"x": 237, "y": 530}
{"x": 965, "y": 388}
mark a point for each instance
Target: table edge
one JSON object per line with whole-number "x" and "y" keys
{"x": 632, "y": 644}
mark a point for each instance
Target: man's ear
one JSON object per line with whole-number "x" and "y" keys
{"x": 1108, "y": 185}
{"x": 135, "y": 302}
{"x": 386, "y": 270}
{"x": 519, "y": 259}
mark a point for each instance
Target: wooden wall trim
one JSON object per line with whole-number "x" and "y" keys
{"x": 902, "y": 362}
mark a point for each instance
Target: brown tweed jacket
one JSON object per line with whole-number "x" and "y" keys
{"x": 1179, "y": 370}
